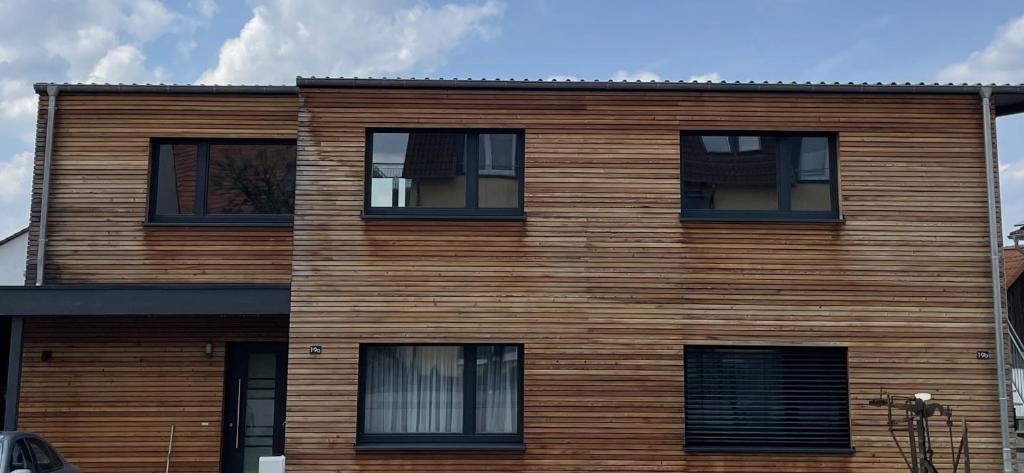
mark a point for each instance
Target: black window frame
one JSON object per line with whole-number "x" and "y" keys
{"x": 472, "y": 210}
{"x": 759, "y": 446}
{"x": 443, "y": 442}
{"x": 199, "y": 217}
{"x": 784, "y": 168}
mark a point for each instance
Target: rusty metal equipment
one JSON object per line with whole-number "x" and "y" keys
{"x": 909, "y": 416}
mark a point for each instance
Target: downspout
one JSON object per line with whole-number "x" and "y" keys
{"x": 994, "y": 236}
{"x": 18, "y": 322}
{"x": 51, "y": 113}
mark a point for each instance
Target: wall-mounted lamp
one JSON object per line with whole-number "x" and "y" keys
{"x": 47, "y": 355}
{"x": 209, "y": 350}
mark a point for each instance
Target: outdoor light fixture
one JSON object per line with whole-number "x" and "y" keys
{"x": 209, "y": 350}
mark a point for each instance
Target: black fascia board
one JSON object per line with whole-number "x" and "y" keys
{"x": 145, "y": 299}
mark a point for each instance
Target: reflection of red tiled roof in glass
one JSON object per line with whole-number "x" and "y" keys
{"x": 431, "y": 155}
{"x": 1013, "y": 266}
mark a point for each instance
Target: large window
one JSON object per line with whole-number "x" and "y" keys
{"x": 771, "y": 399}
{"x": 758, "y": 176}
{"x": 444, "y": 173}
{"x": 222, "y": 182}
{"x": 440, "y": 396}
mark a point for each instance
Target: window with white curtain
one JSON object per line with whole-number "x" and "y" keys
{"x": 449, "y": 394}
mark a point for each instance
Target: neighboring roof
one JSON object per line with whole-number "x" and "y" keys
{"x": 1008, "y": 98}
{"x": 1013, "y": 265}
{"x": 14, "y": 235}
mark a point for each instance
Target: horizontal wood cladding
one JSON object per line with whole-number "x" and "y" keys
{"x": 605, "y": 286}
{"x": 99, "y": 184}
{"x": 115, "y": 385}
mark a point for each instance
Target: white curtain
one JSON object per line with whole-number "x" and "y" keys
{"x": 497, "y": 389}
{"x": 413, "y": 389}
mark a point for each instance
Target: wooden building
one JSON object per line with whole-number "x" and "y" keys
{"x": 509, "y": 276}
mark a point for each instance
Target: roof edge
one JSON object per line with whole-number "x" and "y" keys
{"x": 820, "y": 87}
{"x": 40, "y": 88}
{"x": 14, "y": 235}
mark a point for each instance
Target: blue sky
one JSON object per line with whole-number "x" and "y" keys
{"x": 272, "y": 41}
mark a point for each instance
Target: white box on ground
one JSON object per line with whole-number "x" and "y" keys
{"x": 272, "y": 464}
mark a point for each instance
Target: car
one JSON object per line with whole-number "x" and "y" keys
{"x": 25, "y": 452}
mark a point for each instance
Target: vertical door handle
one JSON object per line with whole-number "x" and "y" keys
{"x": 238, "y": 412}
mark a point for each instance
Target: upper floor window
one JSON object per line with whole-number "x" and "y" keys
{"x": 222, "y": 181}
{"x": 444, "y": 173}
{"x": 447, "y": 395}
{"x": 763, "y": 176}
{"x": 766, "y": 399}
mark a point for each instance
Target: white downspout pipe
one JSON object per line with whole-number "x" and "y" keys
{"x": 995, "y": 237}
{"x": 51, "y": 114}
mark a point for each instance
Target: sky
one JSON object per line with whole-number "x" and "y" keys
{"x": 273, "y": 41}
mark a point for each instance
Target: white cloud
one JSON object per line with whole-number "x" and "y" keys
{"x": 15, "y": 177}
{"x": 1002, "y": 61}
{"x": 709, "y": 77}
{"x": 205, "y": 8}
{"x": 1012, "y": 172}
{"x": 643, "y": 76}
{"x": 126, "y": 64}
{"x": 360, "y": 38}
{"x": 64, "y": 41}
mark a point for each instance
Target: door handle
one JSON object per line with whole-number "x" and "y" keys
{"x": 238, "y": 412}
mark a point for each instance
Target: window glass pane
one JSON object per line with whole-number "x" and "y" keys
{"x": 413, "y": 389}
{"x": 176, "y": 167}
{"x": 748, "y": 143}
{"x": 713, "y": 180}
{"x": 19, "y": 458}
{"x": 418, "y": 169}
{"x": 716, "y": 144}
{"x": 46, "y": 460}
{"x": 765, "y": 397}
{"x": 497, "y": 389}
{"x": 499, "y": 186}
{"x": 812, "y": 188}
{"x": 251, "y": 179}
{"x": 260, "y": 402}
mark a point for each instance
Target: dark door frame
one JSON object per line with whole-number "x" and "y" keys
{"x": 236, "y": 368}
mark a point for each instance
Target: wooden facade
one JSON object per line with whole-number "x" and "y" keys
{"x": 605, "y": 286}
{"x": 602, "y": 283}
{"x": 97, "y": 230}
{"x": 114, "y": 386}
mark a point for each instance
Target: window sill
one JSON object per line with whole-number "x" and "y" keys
{"x": 419, "y": 216}
{"x": 440, "y": 447}
{"x": 771, "y": 450}
{"x": 220, "y": 224}
{"x": 758, "y": 219}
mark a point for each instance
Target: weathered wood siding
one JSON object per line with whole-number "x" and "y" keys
{"x": 115, "y": 385}
{"x": 605, "y": 286}
{"x": 99, "y": 189}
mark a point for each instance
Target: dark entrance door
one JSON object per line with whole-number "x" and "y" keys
{"x": 254, "y": 404}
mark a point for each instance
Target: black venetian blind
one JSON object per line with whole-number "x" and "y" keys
{"x": 766, "y": 398}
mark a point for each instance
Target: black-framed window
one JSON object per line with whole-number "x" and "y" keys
{"x": 758, "y": 176}
{"x": 222, "y": 181}
{"x": 767, "y": 399}
{"x": 440, "y": 396}
{"x": 444, "y": 173}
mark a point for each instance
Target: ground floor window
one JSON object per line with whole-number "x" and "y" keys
{"x": 771, "y": 399}
{"x": 440, "y": 394}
